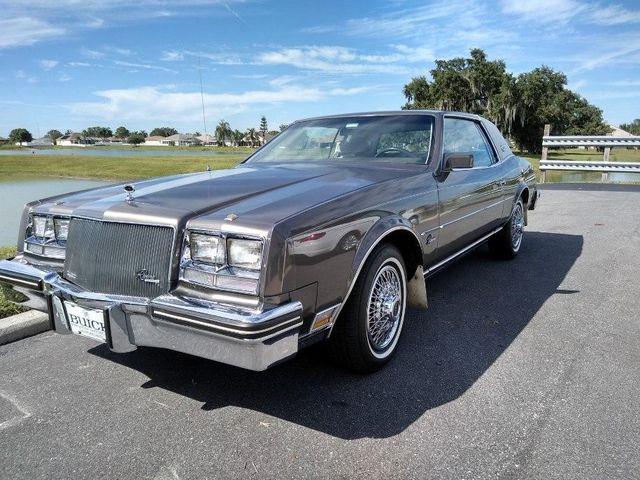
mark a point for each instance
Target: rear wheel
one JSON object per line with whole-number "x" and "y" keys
{"x": 506, "y": 243}
{"x": 366, "y": 334}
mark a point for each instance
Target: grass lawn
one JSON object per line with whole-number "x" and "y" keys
{"x": 204, "y": 148}
{"x": 109, "y": 167}
{"x": 6, "y": 307}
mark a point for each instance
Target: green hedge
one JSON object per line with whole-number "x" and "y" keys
{"x": 6, "y": 307}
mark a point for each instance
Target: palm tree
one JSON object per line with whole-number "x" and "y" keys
{"x": 223, "y": 132}
{"x": 253, "y": 136}
{"x": 237, "y": 136}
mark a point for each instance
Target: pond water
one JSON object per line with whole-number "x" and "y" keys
{"x": 15, "y": 193}
{"x": 109, "y": 152}
{"x": 591, "y": 177}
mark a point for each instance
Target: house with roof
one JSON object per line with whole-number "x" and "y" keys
{"x": 154, "y": 141}
{"x": 618, "y": 132}
{"x": 207, "y": 139}
{"x": 75, "y": 140}
{"x": 181, "y": 140}
{"x": 39, "y": 142}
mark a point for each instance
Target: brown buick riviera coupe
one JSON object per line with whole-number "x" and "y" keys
{"x": 327, "y": 233}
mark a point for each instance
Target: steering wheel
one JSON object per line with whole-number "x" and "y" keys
{"x": 394, "y": 152}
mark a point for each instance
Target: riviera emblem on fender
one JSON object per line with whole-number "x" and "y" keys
{"x": 146, "y": 277}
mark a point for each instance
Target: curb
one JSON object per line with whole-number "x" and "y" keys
{"x": 23, "y": 325}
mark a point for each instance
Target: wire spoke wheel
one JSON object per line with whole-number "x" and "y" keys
{"x": 366, "y": 334}
{"x": 517, "y": 226}
{"x": 385, "y": 308}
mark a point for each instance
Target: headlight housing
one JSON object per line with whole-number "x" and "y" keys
{"x": 207, "y": 248}
{"x": 46, "y": 236}
{"x": 245, "y": 254}
{"x": 43, "y": 227}
{"x": 222, "y": 261}
{"x": 61, "y": 228}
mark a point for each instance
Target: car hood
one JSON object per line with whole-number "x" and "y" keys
{"x": 257, "y": 195}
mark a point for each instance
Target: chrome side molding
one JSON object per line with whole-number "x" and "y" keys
{"x": 464, "y": 250}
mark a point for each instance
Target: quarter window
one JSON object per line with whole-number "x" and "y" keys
{"x": 465, "y": 136}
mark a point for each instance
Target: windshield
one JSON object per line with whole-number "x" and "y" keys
{"x": 388, "y": 138}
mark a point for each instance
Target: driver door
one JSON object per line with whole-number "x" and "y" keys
{"x": 470, "y": 199}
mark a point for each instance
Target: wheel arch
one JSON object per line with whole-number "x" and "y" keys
{"x": 394, "y": 230}
{"x": 398, "y": 232}
{"x": 524, "y": 194}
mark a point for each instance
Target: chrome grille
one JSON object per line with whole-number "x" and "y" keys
{"x": 108, "y": 257}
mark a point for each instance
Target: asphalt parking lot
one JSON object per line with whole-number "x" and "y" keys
{"x": 522, "y": 369}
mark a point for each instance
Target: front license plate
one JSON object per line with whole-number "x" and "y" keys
{"x": 86, "y": 322}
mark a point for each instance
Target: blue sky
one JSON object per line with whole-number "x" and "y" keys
{"x": 69, "y": 64}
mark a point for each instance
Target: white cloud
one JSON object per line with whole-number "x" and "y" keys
{"x": 609, "y": 53}
{"x": 172, "y": 56}
{"x": 221, "y": 58}
{"x": 614, "y": 15}
{"x": 63, "y": 77}
{"x": 22, "y": 75}
{"x": 92, "y": 23}
{"x": 20, "y": 31}
{"x": 26, "y": 22}
{"x": 415, "y": 54}
{"x": 283, "y": 80}
{"x": 562, "y": 11}
{"x": 144, "y": 66}
{"x": 332, "y": 59}
{"x": 48, "y": 64}
{"x": 152, "y": 103}
{"x": 413, "y": 22}
{"x": 89, "y": 53}
{"x": 558, "y": 11}
{"x": 125, "y": 52}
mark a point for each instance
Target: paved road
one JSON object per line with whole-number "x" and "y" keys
{"x": 523, "y": 369}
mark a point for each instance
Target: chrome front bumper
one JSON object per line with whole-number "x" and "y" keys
{"x": 252, "y": 339}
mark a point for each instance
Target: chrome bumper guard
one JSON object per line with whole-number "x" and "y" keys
{"x": 251, "y": 339}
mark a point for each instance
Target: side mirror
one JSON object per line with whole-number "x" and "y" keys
{"x": 454, "y": 161}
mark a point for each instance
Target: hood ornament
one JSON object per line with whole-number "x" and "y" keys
{"x": 129, "y": 189}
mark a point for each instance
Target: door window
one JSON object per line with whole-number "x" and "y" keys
{"x": 465, "y": 136}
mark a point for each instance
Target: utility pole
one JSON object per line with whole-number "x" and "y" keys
{"x": 204, "y": 118}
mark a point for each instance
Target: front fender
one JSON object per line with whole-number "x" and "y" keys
{"x": 375, "y": 235}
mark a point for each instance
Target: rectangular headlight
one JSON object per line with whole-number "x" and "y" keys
{"x": 207, "y": 248}
{"x": 61, "y": 228}
{"x": 246, "y": 254}
{"x": 42, "y": 227}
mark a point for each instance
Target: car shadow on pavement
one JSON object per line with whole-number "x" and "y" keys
{"x": 477, "y": 307}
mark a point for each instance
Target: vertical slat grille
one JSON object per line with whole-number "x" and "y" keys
{"x": 107, "y": 257}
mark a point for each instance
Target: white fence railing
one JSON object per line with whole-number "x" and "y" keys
{"x": 605, "y": 142}
{"x": 587, "y": 141}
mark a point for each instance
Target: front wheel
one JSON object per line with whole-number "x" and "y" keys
{"x": 506, "y": 243}
{"x": 366, "y": 334}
